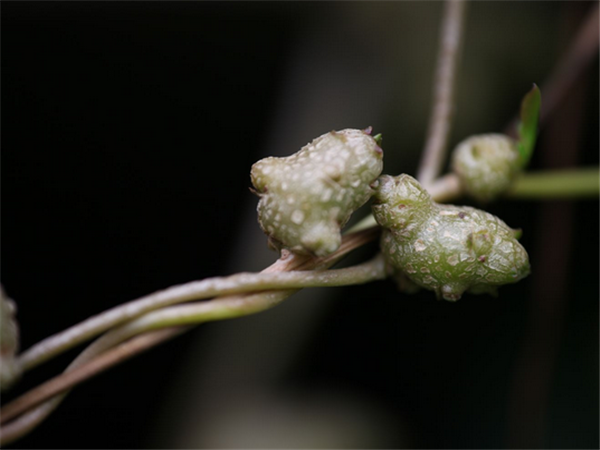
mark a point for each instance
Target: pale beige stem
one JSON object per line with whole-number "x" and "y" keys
{"x": 443, "y": 93}
{"x": 248, "y": 303}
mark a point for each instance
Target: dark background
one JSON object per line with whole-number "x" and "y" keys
{"x": 128, "y": 131}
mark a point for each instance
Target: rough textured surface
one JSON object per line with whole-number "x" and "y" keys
{"x": 9, "y": 342}
{"x": 307, "y": 197}
{"x": 486, "y": 165}
{"x": 445, "y": 248}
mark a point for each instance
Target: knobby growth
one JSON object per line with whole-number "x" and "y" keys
{"x": 306, "y": 199}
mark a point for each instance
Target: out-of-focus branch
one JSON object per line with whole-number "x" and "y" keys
{"x": 580, "y": 53}
{"x": 534, "y": 370}
{"x": 443, "y": 92}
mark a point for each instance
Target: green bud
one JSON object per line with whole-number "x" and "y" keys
{"x": 306, "y": 198}
{"x": 444, "y": 248}
{"x": 9, "y": 342}
{"x": 486, "y": 165}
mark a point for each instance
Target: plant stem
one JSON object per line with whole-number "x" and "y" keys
{"x": 62, "y": 382}
{"x": 30, "y": 420}
{"x": 223, "y": 308}
{"x": 287, "y": 262}
{"x": 443, "y": 92}
{"x": 556, "y": 184}
{"x": 196, "y": 290}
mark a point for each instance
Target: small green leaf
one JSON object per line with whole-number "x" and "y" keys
{"x": 527, "y": 128}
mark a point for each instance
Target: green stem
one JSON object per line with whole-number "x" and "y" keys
{"x": 557, "y": 184}
{"x": 547, "y": 184}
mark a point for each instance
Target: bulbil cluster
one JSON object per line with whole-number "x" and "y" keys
{"x": 306, "y": 198}
{"x": 444, "y": 248}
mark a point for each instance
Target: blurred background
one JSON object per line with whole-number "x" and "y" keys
{"x": 128, "y": 132}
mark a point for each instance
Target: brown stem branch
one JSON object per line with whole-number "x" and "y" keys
{"x": 107, "y": 359}
{"x": 580, "y": 53}
{"x": 534, "y": 369}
